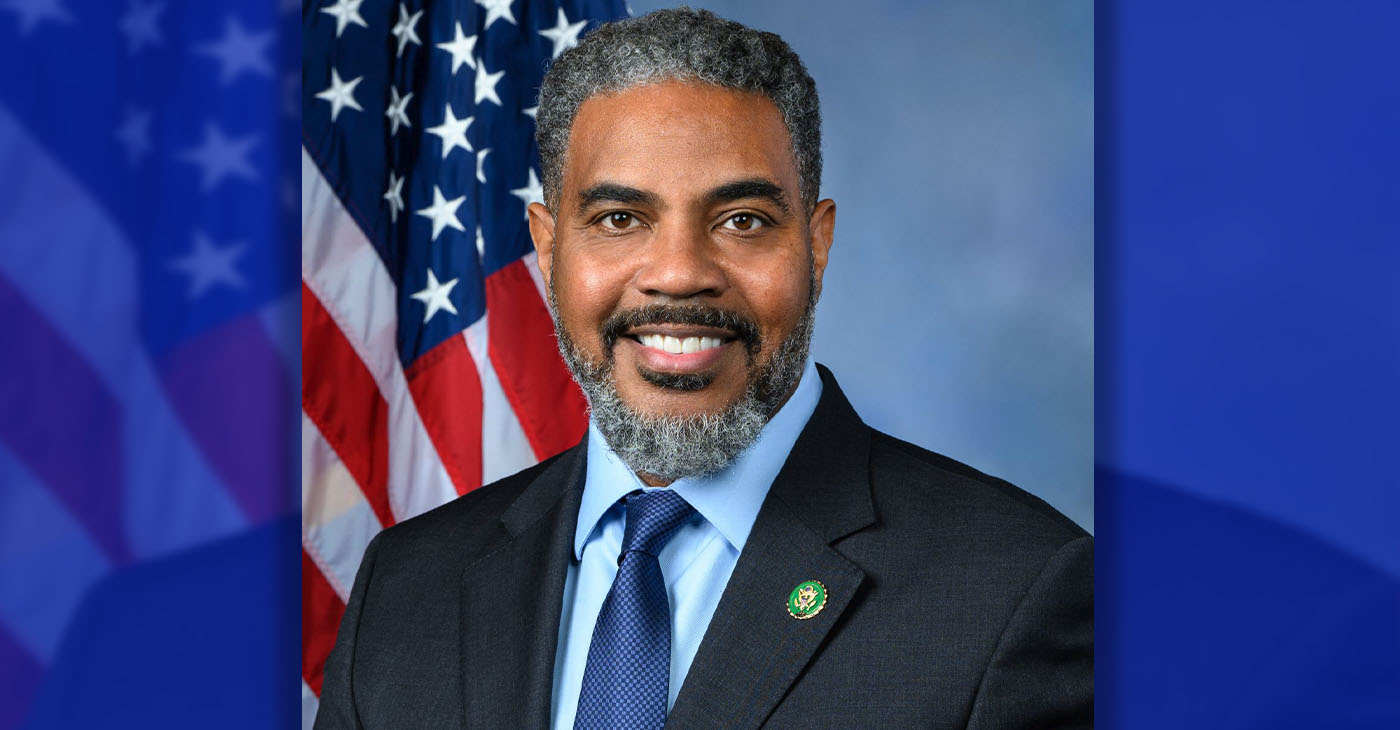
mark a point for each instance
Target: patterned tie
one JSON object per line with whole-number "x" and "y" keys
{"x": 628, "y": 673}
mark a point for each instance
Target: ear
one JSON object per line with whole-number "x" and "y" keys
{"x": 542, "y": 233}
{"x": 822, "y": 226}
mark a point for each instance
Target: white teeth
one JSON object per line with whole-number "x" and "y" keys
{"x": 678, "y": 345}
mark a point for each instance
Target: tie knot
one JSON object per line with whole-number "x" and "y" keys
{"x": 653, "y": 519}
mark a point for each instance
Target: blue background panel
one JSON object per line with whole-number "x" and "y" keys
{"x": 1248, "y": 389}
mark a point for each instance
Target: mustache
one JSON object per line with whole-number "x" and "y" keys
{"x": 699, "y": 315}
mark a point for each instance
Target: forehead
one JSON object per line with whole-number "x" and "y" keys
{"x": 678, "y": 137}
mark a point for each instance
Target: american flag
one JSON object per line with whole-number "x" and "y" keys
{"x": 429, "y": 363}
{"x": 148, "y": 303}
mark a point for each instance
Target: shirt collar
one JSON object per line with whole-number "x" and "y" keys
{"x": 728, "y": 499}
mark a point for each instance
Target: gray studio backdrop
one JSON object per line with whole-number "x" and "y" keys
{"x": 958, "y": 141}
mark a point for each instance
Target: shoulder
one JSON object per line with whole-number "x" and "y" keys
{"x": 976, "y": 544}
{"x": 462, "y": 527}
{"x": 917, "y": 491}
{"x": 922, "y": 499}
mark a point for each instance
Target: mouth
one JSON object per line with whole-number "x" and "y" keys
{"x": 678, "y": 349}
{"x": 680, "y": 339}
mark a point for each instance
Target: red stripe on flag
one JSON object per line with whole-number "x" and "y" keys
{"x": 447, "y": 390}
{"x": 548, "y": 403}
{"x": 339, "y": 395}
{"x": 59, "y": 419}
{"x": 321, "y": 610}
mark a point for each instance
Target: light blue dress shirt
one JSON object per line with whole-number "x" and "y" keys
{"x": 696, "y": 564}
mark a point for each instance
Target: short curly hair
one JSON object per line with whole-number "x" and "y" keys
{"x": 679, "y": 44}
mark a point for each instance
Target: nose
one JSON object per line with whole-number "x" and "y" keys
{"x": 681, "y": 262}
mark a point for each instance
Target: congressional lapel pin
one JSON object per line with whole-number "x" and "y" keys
{"x": 807, "y": 599}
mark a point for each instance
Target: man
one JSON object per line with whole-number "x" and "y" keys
{"x": 730, "y": 546}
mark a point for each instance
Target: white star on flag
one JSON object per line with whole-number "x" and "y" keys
{"x": 239, "y": 51}
{"x": 530, "y": 111}
{"x": 533, "y": 192}
{"x": 564, "y": 34}
{"x": 428, "y": 178}
{"x": 486, "y": 84}
{"x": 341, "y": 94}
{"x": 404, "y": 31}
{"x": 222, "y": 157}
{"x": 434, "y": 296}
{"x": 481, "y": 171}
{"x": 461, "y": 47}
{"x": 135, "y": 134}
{"x": 395, "y": 196}
{"x": 208, "y": 266}
{"x": 397, "y": 111}
{"x": 443, "y": 213}
{"x": 452, "y": 131}
{"x": 496, "y": 9}
{"x": 33, "y": 12}
{"x": 345, "y": 12}
{"x": 139, "y": 25}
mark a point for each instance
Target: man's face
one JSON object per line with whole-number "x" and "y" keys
{"x": 680, "y": 226}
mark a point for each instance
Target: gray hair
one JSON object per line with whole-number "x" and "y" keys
{"x": 687, "y": 45}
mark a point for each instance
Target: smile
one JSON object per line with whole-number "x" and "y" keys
{"x": 678, "y": 348}
{"x": 680, "y": 345}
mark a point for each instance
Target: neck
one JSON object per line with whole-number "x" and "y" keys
{"x": 652, "y": 481}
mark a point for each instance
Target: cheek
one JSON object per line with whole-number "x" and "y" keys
{"x": 787, "y": 301}
{"x": 587, "y": 290}
{"x": 778, "y": 297}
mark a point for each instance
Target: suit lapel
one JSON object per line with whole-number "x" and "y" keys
{"x": 511, "y": 600}
{"x": 754, "y": 650}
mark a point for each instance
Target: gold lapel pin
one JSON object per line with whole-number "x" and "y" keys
{"x": 807, "y": 599}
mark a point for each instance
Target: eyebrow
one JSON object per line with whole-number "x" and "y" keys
{"x": 609, "y": 192}
{"x": 751, "y": 188}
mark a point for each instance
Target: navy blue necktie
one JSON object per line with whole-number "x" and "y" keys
{"x": 628, "y": 674}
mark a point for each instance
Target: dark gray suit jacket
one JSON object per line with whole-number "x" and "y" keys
{"x": 955, "y": 600}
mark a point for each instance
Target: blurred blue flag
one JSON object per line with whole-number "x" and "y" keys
{"x": 1248, "y": 364}
{"x": 147, "y": 291}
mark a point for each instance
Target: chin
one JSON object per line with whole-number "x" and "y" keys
{"x": 648, "y": 400}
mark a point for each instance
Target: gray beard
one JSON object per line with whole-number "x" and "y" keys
{"x": 674, "y": 447}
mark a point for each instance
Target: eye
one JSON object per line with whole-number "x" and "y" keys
{"x": 745, "y": 222}
{"x": 620, "y": 221}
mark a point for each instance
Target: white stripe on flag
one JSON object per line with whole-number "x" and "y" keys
{"x": 337, "y": 521}
{"x": 345, "y": 273}
{"x": 309, "y": 703}
{"x": 505, "y": 449}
